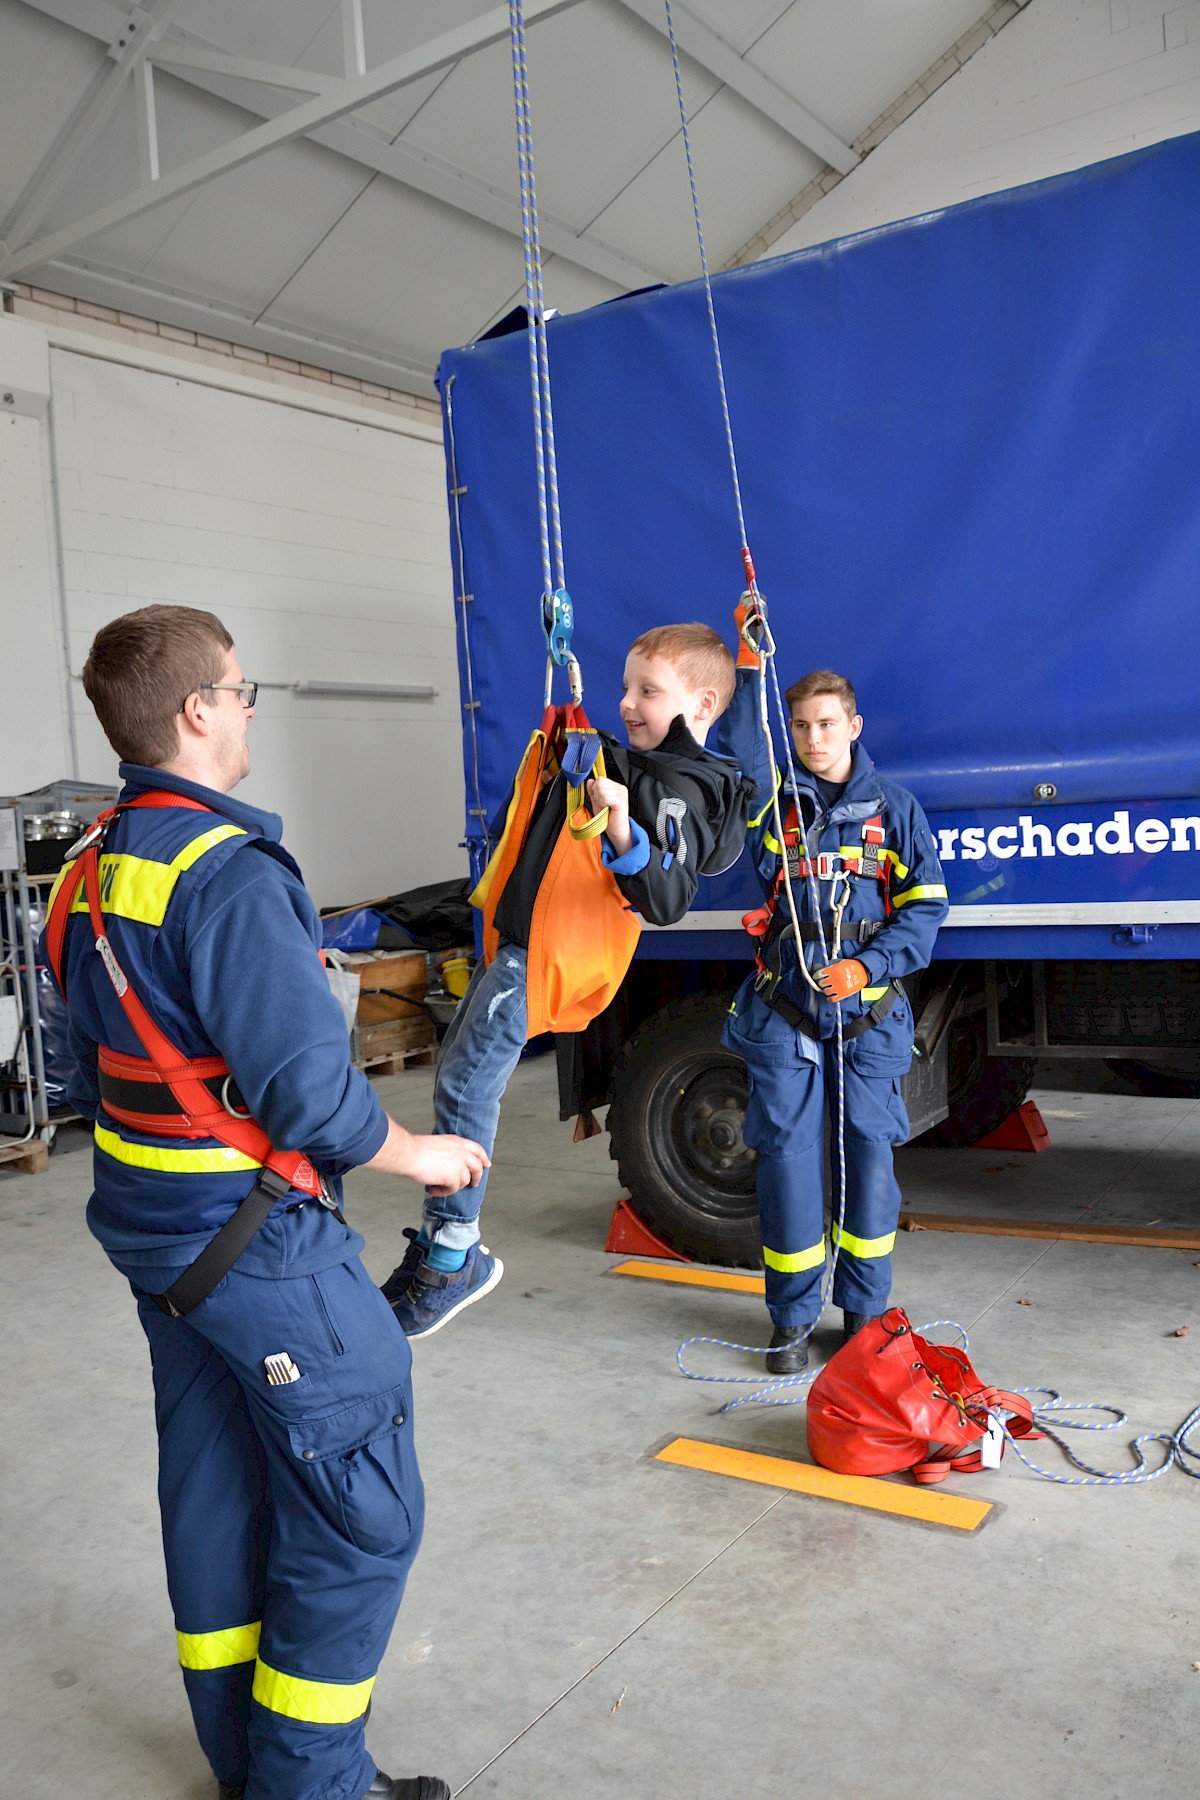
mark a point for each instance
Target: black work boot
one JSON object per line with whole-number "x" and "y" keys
{"x": 788, "y": 1353}
{"x": 407, "y": 1787}
{"x": 230, "y": 1790}
{"x": 852, "y": 1323}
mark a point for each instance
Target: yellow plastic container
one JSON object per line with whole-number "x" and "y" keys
{"x": 456, "y": 973}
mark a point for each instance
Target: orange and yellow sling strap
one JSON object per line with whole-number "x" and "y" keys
{"x": 582, "y": 933}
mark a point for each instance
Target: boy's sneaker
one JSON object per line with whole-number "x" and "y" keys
{"x": 424, "y": 1299}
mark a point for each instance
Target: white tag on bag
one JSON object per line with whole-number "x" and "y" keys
{"x": 992, "y": 1447}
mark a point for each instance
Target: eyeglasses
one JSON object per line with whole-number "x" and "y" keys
{"x": 246, "y": 691}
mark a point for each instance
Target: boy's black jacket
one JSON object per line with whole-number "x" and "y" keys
{"x": 692, "y": 804}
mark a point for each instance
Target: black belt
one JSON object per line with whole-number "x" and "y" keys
{"x": 794, "y": 1016}
{"x": 155, "y": 1097}
{"x": 859, "y": 931}
{"x": 219, "y": 1255}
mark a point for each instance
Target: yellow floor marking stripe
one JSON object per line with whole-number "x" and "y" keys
{"x": 806, "y": 1478}
{"x": 708, "y": 1278}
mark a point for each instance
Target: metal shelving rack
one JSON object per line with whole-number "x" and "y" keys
{"x": 26, "y": 1120}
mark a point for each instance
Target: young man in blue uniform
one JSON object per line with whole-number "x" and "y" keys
{"x": 291, "y": 1500}
{"x": 851, "y": 837}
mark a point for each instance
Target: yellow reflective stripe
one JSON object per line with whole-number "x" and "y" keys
{"x": 900, "y": 868}
{"x": 313, "y": 1702}
{"x": 932, "y": 890}
{"x": 478, "y": 895}
{"x": 58, "y": 881}
{"x": 772, "y": 843}
{"x": 791, "y": 1262}
{"x": 866, "y": 1247}
{"x": 870, "y": 995}
{"x": 766, "y": 809}
{"x": 218, "y": 1649}
{"x": 134, "y": 887}
{"x": 220, "y": 1159}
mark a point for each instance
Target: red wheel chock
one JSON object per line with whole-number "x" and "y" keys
{"x": 628, "y": 1235}
{"x": 1024, "y": 1129}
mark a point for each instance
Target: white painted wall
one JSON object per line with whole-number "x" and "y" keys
{"x": 1066, "y": 83}
{"x": 33, "y": 731}
{"x": 322, "y": 544}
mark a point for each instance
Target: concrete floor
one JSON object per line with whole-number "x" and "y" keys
{"x": 585, "y": 1624}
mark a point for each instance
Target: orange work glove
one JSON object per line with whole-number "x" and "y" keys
{"x": 748, "y": 609}
{"x": 841, "y": 979}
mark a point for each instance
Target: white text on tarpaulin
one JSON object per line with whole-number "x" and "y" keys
{"x": 1030, "y": 837}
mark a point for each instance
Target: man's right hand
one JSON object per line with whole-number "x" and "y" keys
{"x": 443, "y": 1164}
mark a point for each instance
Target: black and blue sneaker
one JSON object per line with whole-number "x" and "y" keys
{"x": 424, "y": 1298}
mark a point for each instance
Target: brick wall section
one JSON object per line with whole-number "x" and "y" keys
{"x": 992, "y": 22}
{"x": 42, "y": 306}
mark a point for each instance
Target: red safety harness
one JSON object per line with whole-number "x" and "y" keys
{"x": 168, "y": 1094}
{"x": 770, "y": 924}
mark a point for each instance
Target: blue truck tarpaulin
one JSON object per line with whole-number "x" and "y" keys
{"x": 968, "y": 446}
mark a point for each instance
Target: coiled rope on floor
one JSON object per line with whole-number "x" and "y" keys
{"x": 1179, "y": 1452}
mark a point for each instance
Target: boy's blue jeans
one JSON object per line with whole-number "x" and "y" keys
{"x": 477, "y": 1056}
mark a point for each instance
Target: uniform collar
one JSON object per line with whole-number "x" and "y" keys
{"x": 138, "y": 780}
{"x": 861, "y": 796}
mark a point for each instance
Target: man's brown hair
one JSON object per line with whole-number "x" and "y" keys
{"x": 823, "y": 681}
{"x": 697, "y": 654}
{"x": 140, "y": 670}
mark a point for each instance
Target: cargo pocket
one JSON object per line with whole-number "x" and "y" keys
{"x": 364, "y": 1465}
{"x": 887, "y": 1048}
{"x": 758, "y": 1033}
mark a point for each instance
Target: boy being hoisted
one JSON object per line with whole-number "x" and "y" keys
{"x": 675, "y": 810}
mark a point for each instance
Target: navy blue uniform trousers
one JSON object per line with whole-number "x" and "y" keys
{"x": 290, "y": 1514}
{"x": 793, "y": 1085}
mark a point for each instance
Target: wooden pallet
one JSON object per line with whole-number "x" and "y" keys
{"x": 396, "y": 1061}
{"x": 28, "y": 1156}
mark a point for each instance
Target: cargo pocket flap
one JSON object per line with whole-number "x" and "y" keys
{"x": 349, "y": 1429}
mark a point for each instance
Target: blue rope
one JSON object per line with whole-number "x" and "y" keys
{"x": 785, "y": 724}
{"x": 708, "y": 293}
{"x": 557, "y": 618}
{"x": 788, "y": 1390}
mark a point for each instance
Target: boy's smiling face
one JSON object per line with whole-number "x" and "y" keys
{"x": 655, "y": 694}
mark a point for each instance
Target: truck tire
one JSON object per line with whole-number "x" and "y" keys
{"x": 983, "y": 1089}
{"x": 675, "y": 1131}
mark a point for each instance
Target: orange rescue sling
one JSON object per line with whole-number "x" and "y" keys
{"x": 583, "y": 932}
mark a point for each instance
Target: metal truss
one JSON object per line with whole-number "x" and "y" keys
{"x": 720, "y": 59}
{"x": 138, "y": 38}
{"x": 145, "y": 38}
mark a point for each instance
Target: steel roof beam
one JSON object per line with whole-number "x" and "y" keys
{"x": 179, "y": 58}
{"x": 360, "y": 142}
{"x": 722, "y": 61}
{"x": 127, "y": 48}
{"x": 298, "y": 121}
{"x": 406, "y": 371}
{"x": 251, "y": 86}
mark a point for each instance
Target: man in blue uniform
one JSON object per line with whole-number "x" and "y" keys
{"x": 291, "y": 1501}
{"x": 862, "y": 845}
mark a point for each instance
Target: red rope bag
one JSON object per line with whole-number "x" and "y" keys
{"x": 890, "y": 1400}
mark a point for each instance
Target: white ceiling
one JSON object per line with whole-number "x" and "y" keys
{"x": 385, "y": 234}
